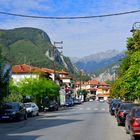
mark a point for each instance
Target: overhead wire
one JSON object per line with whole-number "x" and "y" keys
{"x": 70, "y": 17}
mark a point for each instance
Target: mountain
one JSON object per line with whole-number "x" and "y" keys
{"x": 97, "y": 62}
{"x": 32, "y": 46}
{"x": 109, "y": 74}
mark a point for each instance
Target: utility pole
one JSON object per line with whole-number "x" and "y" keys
{"x": 54, "y": 47}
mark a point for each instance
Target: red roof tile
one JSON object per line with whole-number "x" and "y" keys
{"x": 93, "y": 82}
{"x": 23, "y": 68}
{"x": 63, "y": 72}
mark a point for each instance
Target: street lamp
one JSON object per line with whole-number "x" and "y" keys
{"x": 54, "y": 47}
{"x": 135, "y": 26}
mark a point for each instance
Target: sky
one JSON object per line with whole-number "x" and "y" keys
{"x": 81, "y": 37}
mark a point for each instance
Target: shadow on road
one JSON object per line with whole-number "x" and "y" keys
{"x": 17, "y": 131}
{"x": 19, "y": 137}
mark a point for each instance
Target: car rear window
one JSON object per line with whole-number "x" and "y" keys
{"x": 115, "y": 105}
{"x": 127, "y": 106}
{"x": 10, "y": 106}
{"x": 137, "y": 113}
{"x": 27, "y": 105}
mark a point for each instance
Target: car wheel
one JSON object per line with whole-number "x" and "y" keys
{"x": 119, "y": 124}
{"x": 37, "y": 114}
{"x": 127, "y": 132}
{"x": 126, "y": 129}
{"x": 25, "y": 117}
{"x": 133, "y": 137}
{"x": 32, "y": 114}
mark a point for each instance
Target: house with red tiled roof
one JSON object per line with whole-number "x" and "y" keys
{"x": 103, "y": 91}
{"x": 65, "y": 78}
{"x": 62, "y": 75}
{"x": 96, "y": 89}
{"x": 22, "y": 71}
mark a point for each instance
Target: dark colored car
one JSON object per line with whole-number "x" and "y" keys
{"x": 13, "y": 111}
{"x": 117, "y": 108}
{"x": 113, "y": 107}
{"x": 123, "y": 110}
{"x": 132, "y": 123}
{"x": 53, "y": 106}
{"x": 113, "y": 101}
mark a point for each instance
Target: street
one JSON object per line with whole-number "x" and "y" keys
{"x": 87, "y": 121}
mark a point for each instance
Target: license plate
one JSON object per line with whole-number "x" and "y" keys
{"x": 5, "y": 117}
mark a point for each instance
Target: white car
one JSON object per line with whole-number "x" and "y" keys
{"x": 101, "y": 100}
{"x": 32, "y": 109}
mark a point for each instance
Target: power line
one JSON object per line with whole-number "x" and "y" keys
{"x": 70, "y": 17}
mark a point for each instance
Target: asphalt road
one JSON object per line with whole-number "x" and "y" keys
{"x": 88, "y": 121}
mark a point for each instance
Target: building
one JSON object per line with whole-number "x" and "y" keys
{"x": 103, "y": 91}
{"x": 97, "y": 90}
{"x": 23, "y": 71}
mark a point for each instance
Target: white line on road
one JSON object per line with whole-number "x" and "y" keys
{"x": 88, "y": 109}
{"x": 80, "y": 108}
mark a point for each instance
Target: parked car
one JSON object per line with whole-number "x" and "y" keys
{"x": 101, "y": 100}
{"x": 123, "y": 110}
{"x": 132, "y": 123}
{"x": 69, "y": 102}
{"x": 113, "y": 107}
{"x": 13, "y": 111}
{"x": 113, "y": 101}
{"x": 53, "y": 106}
{"x": 117, "y": 108}
{"x": 77, "y": 101}
{"x": 32, "y": 109}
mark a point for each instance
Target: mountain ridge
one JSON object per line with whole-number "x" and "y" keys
{"x": 94, "y": 62}
{"x": 32, "y": 46}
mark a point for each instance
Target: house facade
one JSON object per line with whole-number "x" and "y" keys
{"x": 20, "y": 72}
{"x": 97, "y": 90}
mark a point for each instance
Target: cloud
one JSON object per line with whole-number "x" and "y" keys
{"x": 80, "y": 37}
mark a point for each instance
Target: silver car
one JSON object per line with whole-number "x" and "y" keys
{"x": 32, "y": 109}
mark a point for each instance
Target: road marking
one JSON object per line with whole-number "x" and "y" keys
{"x": 88, "y": 109}
{"x": 103, "y": 109}
{"x": 95, "y": 108}
{"x": 80, "y": 108}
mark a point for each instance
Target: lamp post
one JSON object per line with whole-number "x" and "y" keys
{"x": 54, "y": 47}
{"x": 135, "y": 26}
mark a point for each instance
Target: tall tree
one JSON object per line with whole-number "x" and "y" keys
{"x": 127, "y": 85}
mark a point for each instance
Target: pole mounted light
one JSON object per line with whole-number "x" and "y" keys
{"x": 135, "y": 26}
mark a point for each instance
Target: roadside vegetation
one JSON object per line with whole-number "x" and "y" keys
{"x": 36, "y": 88}
{"x": 127, "y": 84}
{"x": 4, "y": 78}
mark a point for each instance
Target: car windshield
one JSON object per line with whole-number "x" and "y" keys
{"x": 137, "y": 113}
{"x": 27, "y": 105}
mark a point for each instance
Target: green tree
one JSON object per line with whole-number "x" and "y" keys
{"x": 38, "y": 88}
{"x": 127, "y": 84}
{"x": 4, "y": 78}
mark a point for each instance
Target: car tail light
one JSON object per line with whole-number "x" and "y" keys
{"x": 121, "y": 114}
{"x": 135, "y": 124}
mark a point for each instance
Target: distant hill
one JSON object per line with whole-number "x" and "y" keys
{"x": 32, "y": 46}
{"x": 107, "y": 74}
{"x": 97, "y": 63}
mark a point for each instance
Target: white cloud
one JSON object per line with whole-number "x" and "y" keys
{"x": 81, "y": 37}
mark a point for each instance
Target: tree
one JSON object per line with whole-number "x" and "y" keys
{"x": 127, "y": 84}
{"x": 4, "y": 77}
{"x": 38, "y": 88}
